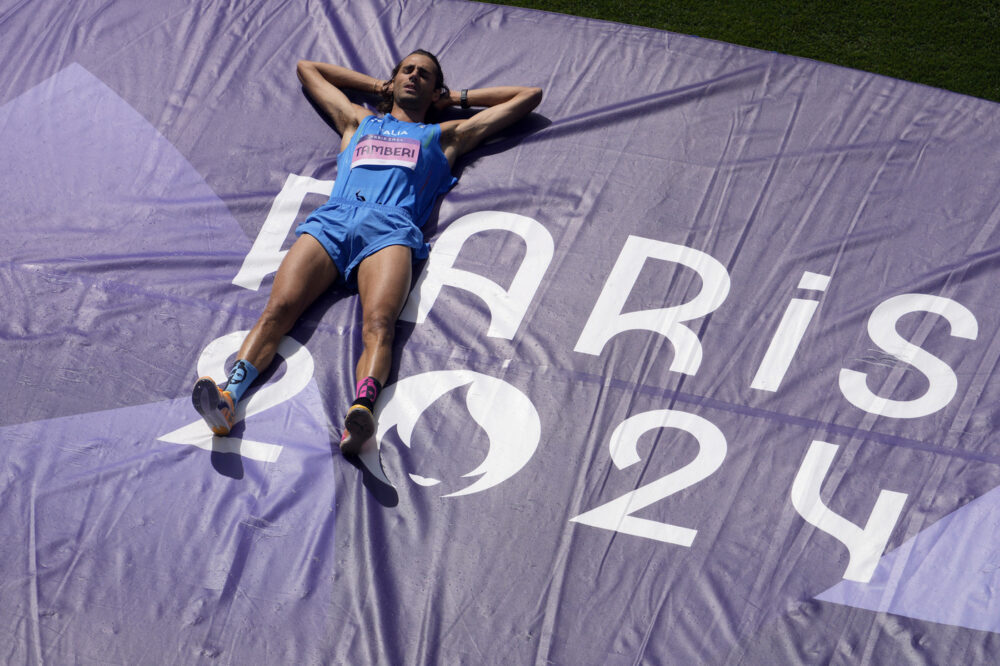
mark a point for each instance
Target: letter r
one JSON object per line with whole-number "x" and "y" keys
{"x": 607, "y": 319}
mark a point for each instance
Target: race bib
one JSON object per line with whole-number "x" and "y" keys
{"x": 374, "y": 149}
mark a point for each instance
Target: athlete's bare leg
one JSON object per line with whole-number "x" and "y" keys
{"x": 383, "y": 284}
{"x": 305, "y": 273}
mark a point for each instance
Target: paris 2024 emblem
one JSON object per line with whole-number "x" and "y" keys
{"x": 507, "y": 416}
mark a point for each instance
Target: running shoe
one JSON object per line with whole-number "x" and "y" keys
{"x": 215, "y": 406}
{"x": 359, "y": 426}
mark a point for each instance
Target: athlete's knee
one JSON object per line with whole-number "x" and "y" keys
{"x": 378, "y": 329}
{"x": 279, "y": 314}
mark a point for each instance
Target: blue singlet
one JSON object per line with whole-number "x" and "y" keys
{"x": 388, "y": 179}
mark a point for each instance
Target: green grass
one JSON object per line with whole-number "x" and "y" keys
{"x": 951, "y": 44}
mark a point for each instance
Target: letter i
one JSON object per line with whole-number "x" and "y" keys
{"x": 789, "y": 335}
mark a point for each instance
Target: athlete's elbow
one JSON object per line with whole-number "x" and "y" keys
{"x": 534, "y": 98}
{"x": 302, "y": 68}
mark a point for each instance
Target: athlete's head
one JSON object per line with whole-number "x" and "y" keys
{"x": 417, "y": 80}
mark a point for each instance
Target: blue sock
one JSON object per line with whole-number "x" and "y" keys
{"x": 240, "y": 379}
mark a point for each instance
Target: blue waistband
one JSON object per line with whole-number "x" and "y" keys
{"x": 358, "y": 203}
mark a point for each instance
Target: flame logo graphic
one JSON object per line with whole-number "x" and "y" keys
{"x": 506, "y": 415}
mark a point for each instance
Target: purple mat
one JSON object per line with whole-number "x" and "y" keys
{"x": 701, "y": 368}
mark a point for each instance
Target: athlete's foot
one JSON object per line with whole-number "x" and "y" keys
{"x": 359, "y": 426}
{"x": 215, "y": 406}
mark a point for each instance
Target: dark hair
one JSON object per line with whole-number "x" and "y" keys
{"x": 385, "y": 95}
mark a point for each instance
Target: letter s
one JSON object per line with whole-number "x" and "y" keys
{"x": 882, "y": 330}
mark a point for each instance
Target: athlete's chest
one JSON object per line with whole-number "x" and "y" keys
{"x": 389, "y": 144}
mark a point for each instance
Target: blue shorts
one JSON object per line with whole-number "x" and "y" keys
{"x": 351, "y": 230}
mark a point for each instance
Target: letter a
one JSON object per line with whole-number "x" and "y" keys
{"x": 507, "y": 307}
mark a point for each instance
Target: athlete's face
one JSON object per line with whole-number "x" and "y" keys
{"x": 415, "y": 82}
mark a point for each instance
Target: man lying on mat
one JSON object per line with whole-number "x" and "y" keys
{"x": 390, "y": 172}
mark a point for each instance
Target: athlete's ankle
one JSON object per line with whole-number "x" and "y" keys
{"x": 241, "y": 377}
{"x": 367, "y": 392}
